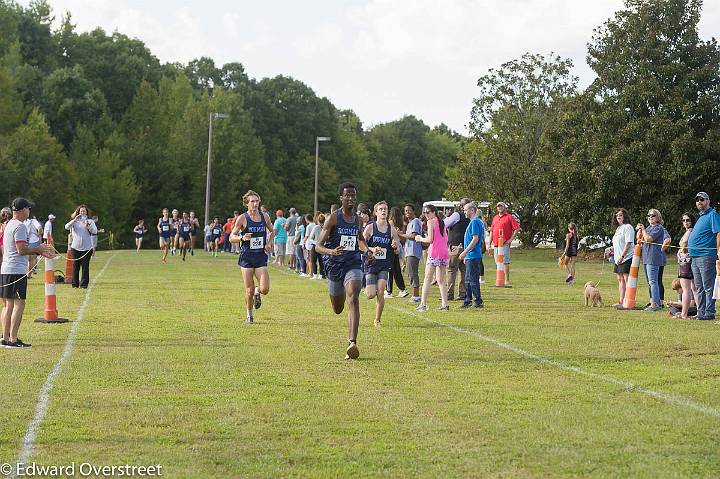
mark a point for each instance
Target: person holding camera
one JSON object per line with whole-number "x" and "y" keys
{"x": 82, "y": 229}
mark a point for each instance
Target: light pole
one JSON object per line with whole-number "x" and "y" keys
{"x": 318, "y": 139}
{"x": 207, "y": 180}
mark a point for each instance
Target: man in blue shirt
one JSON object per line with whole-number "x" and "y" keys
{"x": 413, "y": 250}
{"x": 704, "y": 249}
{"x": 473, "y": 249}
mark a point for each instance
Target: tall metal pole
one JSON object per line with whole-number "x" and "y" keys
{"x": 207, "y": 181}
{"x": 317, "y": 155}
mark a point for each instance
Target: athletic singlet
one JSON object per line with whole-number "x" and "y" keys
{"x": 194, "y": 225}
{"x": 185, "y": 229}
{"x": 258, "y": 230}
{"x": 346, "y": 235}
{"x": 383, "y": 240}
{"x": 164, "y": 228}
{"x": 173, "y": 222}
{"x": 139, "y": 232}
{"x": 216, "y": 230}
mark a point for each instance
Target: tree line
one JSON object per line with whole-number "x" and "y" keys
{"x": 97, "y": 119}
{"x": 645, "y": 134}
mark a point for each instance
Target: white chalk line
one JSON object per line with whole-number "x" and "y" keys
{"x": 627, "y": 385}
{"x": 44, "y": 400}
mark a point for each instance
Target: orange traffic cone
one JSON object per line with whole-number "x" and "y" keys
{"x": 50, "y": 315}
{"x": 631, "y": 288}
{"x": 500, "y": 261}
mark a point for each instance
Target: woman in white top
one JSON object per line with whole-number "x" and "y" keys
{"x": 623, "y": 244}
{"x": 82, "y": 229}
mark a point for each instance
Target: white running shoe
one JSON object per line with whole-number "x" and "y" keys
{"x": 402, "y": 293}
{"x": 388, "y": 295}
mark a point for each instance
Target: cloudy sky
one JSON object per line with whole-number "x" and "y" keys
{"x": 381, "y": 58}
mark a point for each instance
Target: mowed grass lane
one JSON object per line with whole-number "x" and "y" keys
{"x": 163, "y": 371}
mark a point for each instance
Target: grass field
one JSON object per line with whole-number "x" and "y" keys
{"x": 163, "y": 371}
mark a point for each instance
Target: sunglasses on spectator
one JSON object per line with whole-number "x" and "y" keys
{"x": 699, "y": 199}
{"x": 652, "y": 215}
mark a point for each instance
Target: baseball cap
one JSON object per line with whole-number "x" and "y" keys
{"x": 501, "y": 203}
{"x": 702, "y": 195}
{"x": 51, "y": 216}
{"x": 21, "y": 203}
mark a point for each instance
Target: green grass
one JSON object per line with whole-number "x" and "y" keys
{"x": 163, "y": 371}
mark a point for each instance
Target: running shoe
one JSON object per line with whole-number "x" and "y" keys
{"x": 17, "y": 344}
{"x": 444, "y": 308}
{"x": 422, "y": 307}
{"x": 3, "y": 342}
{"x": 388, "y": 294}
{"x": 352, "y": 351}
{"x": 402, "y": 293}
{"x": 377, "y": 323}
{"x": 414, "y": 299}
{"x": 479, "y": 305}
{"x": 249, "y": 320}
{"x": 258, "y": 301}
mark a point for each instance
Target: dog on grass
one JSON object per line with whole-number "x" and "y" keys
{"x": 592, "y": 295}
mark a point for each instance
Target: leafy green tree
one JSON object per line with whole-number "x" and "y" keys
{"x": 104, "y": 184}
{"x": 70, "y": 99}
{"x": 510, "y": 119}
{"x": 34, "y": 165}
{"x": 647, "y": 135}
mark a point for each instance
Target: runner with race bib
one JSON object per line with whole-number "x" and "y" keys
{"x": 163, "y": 228}
{"x": 380, "y": 236}
{"x": 250, "y": 229}
{"x": 341, "y": 244}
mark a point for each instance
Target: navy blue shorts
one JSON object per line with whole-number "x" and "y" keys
{"x": 253, "y": 260}
{"x": 185, "y": 237}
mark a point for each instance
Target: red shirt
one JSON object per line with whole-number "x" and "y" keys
{"x": 505, "y": 223}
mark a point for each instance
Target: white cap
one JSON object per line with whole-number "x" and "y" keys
{"x": 51, "y": 216}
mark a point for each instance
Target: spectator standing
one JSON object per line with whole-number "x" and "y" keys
{"x": 438, "y": 257}
{"x": 570, "y": 252}
{"x": 655, "y": 238}
{"x": 280, "y": 237}
{"x": 13, "y": 271}
{"x": 82, "y": 228}
{"x": 317, "y": 267}
{"x": 704, "y": 247}
{"x": 456, "y": 224}
{"x": 505, "y": 222}
{"x": 290, "y": 226}
{"x": 685, "y": 275}
{"x": 623, "y": 244}
{"x": 471, "y": 255}
{"x": 34, "y": 229}
{"x": 396, "y": 270}
{"x": 413, "y": 250}
{"x": 48, "y": 229}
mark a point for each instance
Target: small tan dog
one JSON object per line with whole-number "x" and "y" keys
{"x": 592, "y": 295}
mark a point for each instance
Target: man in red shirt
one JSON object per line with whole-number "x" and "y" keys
{"x": 505, "y": 222}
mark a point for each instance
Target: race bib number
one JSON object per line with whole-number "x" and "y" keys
{"x": 382, "y": 254}
{"x": 348, "y": 243}
{"x": 216, "y": 232}
{"x": 186, "y": 228}
{"x": 165, "y": 228}
{"x": 257, "y": 243}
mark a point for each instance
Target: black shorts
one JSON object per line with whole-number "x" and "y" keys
{"x": 253, "y": 260}
{"x": 14, "y": 286}
{"x": 623, "y": 268}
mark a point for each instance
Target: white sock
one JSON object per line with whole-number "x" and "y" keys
{"x": 257, "y": 290}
